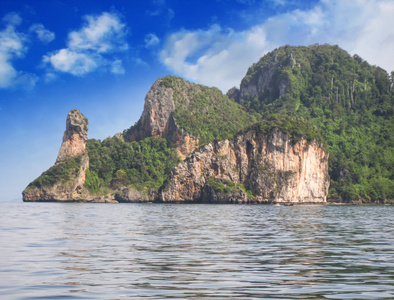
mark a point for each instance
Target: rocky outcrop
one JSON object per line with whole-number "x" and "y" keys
{"x": 266, "y": 78}
{"x": 128, "y": 194}
{"x": 158, "y": 119}
{"x": 69, "y": 189}
{"x": 252, "y": 168}
{"x": 75, "y": 136}
{"x": 64, "y": 181}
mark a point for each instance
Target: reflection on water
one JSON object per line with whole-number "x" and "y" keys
{"x": 159, "y": 251}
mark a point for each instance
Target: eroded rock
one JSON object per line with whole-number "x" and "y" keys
{"x": 271, "y": 167}
{"x": 75, "y": 136}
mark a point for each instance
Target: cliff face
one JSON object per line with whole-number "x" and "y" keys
{"x": 252, "y": 168}
{"x": 188, "y": 115}
{"x": 158, "y": 119}
{"x": 75, "y": 136}
{"x": 64, "y": 181}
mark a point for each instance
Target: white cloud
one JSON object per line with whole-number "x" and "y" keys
{"x": 90, "y": 47}
{"x": 13, "y": 46}
{"x": 102, "y": 34}
{"x": 370, "y": 31}
{"x": 42, "y": 33}
{"x": 7, "y": 71}
{"x": 151, "y": 40}
{"x": 215, "y": 56}
{"x": 75, "y": 63}
{"x": 220, "y": 57}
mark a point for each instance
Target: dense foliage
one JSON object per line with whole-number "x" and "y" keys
{"x": 60, "y": 173}
{"x": 114, "y": 163}
{"x": 295, "y": 127}
{"x": 205, "y": 112}
{"x": 225, "y": 187}
{"x": 349, "y": 100}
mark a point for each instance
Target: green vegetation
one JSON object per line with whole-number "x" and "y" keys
{"x": 114, "y": 163}
{"x": 60, "y": 173}
{"x": 225, "y": 187}
{"x": 346, "y": 98}
{"x": 205, "y": 112}
{"x": 295, "y": 127}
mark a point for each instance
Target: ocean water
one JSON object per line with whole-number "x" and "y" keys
{"x": 175, "y": 251}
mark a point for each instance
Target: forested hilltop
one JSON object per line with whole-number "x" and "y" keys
{"x": 348, "y": 99}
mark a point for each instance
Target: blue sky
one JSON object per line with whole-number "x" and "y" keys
{"x": 102, "y": 57}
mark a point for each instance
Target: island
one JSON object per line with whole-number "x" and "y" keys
{"x": 284, "y": 137}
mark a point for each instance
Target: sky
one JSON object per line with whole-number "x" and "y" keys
{"x": 102, "y": 57}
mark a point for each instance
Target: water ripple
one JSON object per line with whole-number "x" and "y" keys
{"x": 157, "y": 251}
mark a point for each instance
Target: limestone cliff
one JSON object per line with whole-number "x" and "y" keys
{"x": 252, "y": 168}
{"x": 188, "y": 115}
{"x": 64, "y": 181}
{"x": 158, "y": 119}
{"x": 75, "y": 136}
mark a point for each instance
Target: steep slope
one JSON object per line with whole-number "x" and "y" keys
{"x": 188, "y": 115}
{"x": 349, "y": 100}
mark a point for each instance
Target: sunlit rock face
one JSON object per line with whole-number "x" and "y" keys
{"x": 271, "y": 167}
{"x": 75, "y": 136}
{"x": 158, "y": 120}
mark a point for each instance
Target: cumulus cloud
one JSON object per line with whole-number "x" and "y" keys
{"x": 90, "y": 47}
{"x": 13, "y": 46}
{"x": 7, "y": 72}
{"x": 367, "y": 29}
{"x": 43, "y": 34}
{"x": 220, "y": 56}
{"x": 75, "y": 63}
{"x": 101, "y": 34}
{"x": 216, "y": 56}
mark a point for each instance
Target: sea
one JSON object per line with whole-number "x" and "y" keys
{"x": 195, "y": 251}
